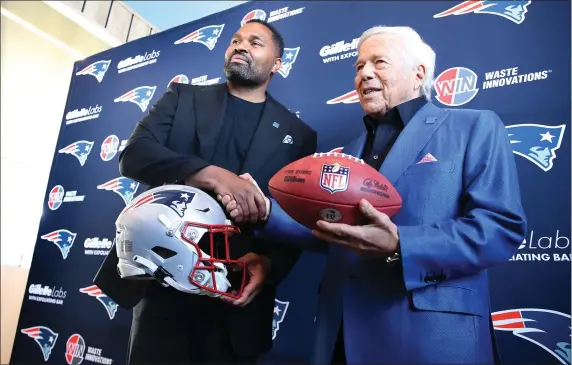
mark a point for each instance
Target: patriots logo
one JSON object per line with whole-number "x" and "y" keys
{"x": 206, "y": 36}
{"x": 278, "y": 316}
{"x": 63, "y": 239}
{"x": 96, "y": 69}
{"x": 546, "y": 328}
{"x": 123, "y": 186}
{"x": 94, "y": 291}
{"x": 288, "y": 58}
{"x": 79, "y": 149}
{"x": 141, "y": 96}
{"x": 511, "y": 10}
{"x": 348, "y": 98}
{"x": 177, "y": 201}
{"x": 536, "y": 142}
{"x": 44, "y": 337}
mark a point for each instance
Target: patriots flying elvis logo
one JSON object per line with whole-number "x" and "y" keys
{"x": 140, "y": 96}
{"x": 512, "y": 10}
{"x": 79, "y": 150}
{"x": 176, "y": 200}
{"x": 206, "y": 36}
{"x": 288, "y": 58}
{"x": 96, "y": 69}
{"x": 536, "y": 142}
{"x": 109, "y": 305}
{"x": 548, "y": 329}
{"x": 63, "y": 239}
{"x": 44, "y": 337}
{"x": 278, "y": 316}
{"x": 122, "y": 186}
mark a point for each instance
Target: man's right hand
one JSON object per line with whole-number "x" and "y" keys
{"x": 230, "y": 204}
{"x": 250, "y": 202}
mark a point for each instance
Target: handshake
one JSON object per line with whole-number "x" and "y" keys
{"x": 240, "y": 195}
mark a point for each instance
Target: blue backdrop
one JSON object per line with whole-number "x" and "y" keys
{"x": 509, "y": 57}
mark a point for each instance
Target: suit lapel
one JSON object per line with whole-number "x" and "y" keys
{"x": 269, "y": 134}
{"x": 355, "y": 148}
{"x": 412, "y": 140}
{"x": 210, "y": 107}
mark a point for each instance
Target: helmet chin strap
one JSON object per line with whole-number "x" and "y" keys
{"x": 166, "y": 280}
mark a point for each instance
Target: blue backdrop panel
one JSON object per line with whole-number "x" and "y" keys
{"x": 509, "y": 57}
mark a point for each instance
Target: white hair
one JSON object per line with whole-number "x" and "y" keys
{"x": 417, "y": 52}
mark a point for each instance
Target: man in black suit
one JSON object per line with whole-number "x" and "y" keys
{"x": 206, "y": 136}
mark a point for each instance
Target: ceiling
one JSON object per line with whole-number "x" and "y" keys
{"x": 168, "y": 14}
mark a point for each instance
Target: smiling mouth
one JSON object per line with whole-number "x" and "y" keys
{"x": 370, "y": 90}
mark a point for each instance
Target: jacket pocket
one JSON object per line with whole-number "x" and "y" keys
{"x": 438, "y": 167}
{"x": 441, "y": 298}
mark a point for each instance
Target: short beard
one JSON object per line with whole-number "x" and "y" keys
{"x": 242, "y": 74}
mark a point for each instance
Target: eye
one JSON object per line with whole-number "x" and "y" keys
{"x": 256, "y": 43}
{"x": 359, "y": 67}
{"x": 234, "y": 41}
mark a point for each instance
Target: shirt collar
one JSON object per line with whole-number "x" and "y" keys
{"x": 403, "y": 113}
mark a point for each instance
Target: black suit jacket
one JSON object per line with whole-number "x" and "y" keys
{"x": 179, "y": 137}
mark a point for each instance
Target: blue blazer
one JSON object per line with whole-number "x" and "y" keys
{"x": 460, "y": 215}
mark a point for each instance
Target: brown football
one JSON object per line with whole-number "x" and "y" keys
{"x": 329, "y": 186}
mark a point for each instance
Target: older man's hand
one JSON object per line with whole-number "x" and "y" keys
{"x": 232, "y": 207}
{"x": 378, "y": 238}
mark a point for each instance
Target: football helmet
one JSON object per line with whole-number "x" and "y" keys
{"x": 163, "y": 235}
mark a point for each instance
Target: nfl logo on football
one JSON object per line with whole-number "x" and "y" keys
{"x": 334, "y": 177}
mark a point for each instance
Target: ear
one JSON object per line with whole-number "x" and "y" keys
{"x": 420, "y": 74}
{"x": 277, "y": 65}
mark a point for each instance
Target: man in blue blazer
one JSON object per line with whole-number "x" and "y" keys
{"x": 413, "y": 289}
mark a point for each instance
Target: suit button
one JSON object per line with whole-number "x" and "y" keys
{"x": 434, "y": 278}
{"x": 430, "y": 279}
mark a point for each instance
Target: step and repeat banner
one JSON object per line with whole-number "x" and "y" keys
{"x": 511, "y": 57}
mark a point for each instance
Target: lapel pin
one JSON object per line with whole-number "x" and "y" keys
{"x": 276, "y": 125}
{"x": 430, "y": 120}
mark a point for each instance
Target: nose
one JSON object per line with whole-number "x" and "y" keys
{"x": 367, "y": 72}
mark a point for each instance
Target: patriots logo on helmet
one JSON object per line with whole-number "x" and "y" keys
{"x": 536, "y": 142}
{"x": 545, "y": 328}
{"x": 79, "y": 149}
{"x": 288, "y": 58}
{"x": 253, "y": 14}
{"x": 123, "y": 186}
{"x": 278, "y": 316}
{"x": 177, "y": 201}
{"x": 96, "y": 69}
{"x": 108, "y": 303}
{"x": 348, "y": 98}
{"x": 140, "y": 96}
{"x": 512, "y": 10}
{"x": 206, "y": 36}
{"x": 63, "y": 239}
{"x": 44, "y": 337}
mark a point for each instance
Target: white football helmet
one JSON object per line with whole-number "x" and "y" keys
{"x": 158, "y": 236}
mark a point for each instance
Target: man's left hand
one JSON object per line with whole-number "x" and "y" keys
{"x": 378, "y": 238}
{"x": 257, "y": 267}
